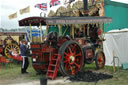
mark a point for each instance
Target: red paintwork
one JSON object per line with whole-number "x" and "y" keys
{"x": 99, "y": 31}
{"x": 0, "y": 50}
{"x": 101, "y": 60}
{"x": 18, "y": 58}
{"x": 4, "y": 60}
{"x": 44, "y": 54}
{"x": 89, "y": 53}
{"x": 62, "y": 40}
{"x": 53, "y": 66}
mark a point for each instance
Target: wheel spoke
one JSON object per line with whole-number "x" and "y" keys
{"x": 66, "y": 67}
{"x": 71, "y": 69}
{"x": 70, "y": 50}
{"x": 77, "y": 60}
{"x": 74, "y": 47}
{"x": 79, "y": 54}
{"x": 77, "y": 65}
{"x": 65, "y": 61}
{"x": 67, "y": 54}
{"x": 8, "y": 47}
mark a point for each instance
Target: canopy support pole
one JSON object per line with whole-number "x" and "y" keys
{"x": 65, "y": 31}
{"x": 30, "y": 31}
{"x": 60, "y": 30}
{"x": 72, "y": 31}
{"x": 41, "y": 32}
{"x": 46, "y": 30}
{"x": 27, "y": 34}
{"x": 88, "y": 31}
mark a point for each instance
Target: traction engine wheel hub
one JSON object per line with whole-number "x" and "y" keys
{"x": 72, "y": 59}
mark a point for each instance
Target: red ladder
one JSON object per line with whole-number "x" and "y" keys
{"x": 53, "y": 66}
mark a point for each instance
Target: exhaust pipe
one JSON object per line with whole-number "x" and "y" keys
{"x": 85, "y": 4}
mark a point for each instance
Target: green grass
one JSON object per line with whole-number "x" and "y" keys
{"x": 13, "y": 71}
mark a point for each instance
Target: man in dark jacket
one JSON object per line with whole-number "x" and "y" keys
{"x": 24, "y": 50}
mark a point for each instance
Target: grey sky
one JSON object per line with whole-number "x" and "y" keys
{"x": 8, "y": 7}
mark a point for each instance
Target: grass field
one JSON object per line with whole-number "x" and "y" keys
{"x": 11, "y": 74}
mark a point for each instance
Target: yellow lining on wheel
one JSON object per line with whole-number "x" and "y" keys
{"x": 9, "y": 48}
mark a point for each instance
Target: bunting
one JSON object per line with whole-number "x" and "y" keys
{"x": 12, "y": 16}
{"x": 42, "y": 6}
{"x": 25, "y": 10}
{"x": 54, "y": 3}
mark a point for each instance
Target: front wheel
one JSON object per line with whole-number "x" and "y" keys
{"x": 100, "y": 60}
{"x": 72, "y": 58}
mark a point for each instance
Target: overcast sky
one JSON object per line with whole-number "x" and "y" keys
{"x": 8, "y": 7}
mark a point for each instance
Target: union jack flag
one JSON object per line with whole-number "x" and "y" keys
{"x": 54, "y": 3}
{"x": 93, "y": 1}
{"x": 42, "y": 6}
{"x": 68, "y": 1}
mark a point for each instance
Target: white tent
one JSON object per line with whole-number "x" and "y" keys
{"x": 117, "y": 42}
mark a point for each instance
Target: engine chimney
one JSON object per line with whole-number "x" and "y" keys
{"x": 85, "y": 4}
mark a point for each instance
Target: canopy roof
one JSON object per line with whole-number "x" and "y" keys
{"x": 12, "y": 33}
{"x": 77, "y": 20}
{"x": 34, "y": 21}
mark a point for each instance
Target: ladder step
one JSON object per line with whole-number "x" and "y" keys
{"x": 54, "y": 59}
{"x": 56, "y": 54}
{"x": 50, "y": 71}
{"x": 52, "y": 65}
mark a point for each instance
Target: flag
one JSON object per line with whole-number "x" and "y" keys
{"x": 92, "y": 2}
{"x": 12, "y": 16}
{"x": 68, "y": 1}
{"x": 54, "y": 3}
{"x": 25, "y": 10}
{"x": 42, "y": 6}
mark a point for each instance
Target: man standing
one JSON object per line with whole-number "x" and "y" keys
{"x": 24, "y": 50}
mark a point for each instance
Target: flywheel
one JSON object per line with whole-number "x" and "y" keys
{"x": 9, "y": 48}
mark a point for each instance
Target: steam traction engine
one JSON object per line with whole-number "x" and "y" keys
{"x": 10, "y": 41}
{"x": 68, "y": 53}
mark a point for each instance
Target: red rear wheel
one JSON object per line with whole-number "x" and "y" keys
{"x": 100, "y": 60}
{"x": 72, "y": 58}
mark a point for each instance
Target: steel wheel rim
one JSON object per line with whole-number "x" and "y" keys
{"x": 72, "y": 58}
